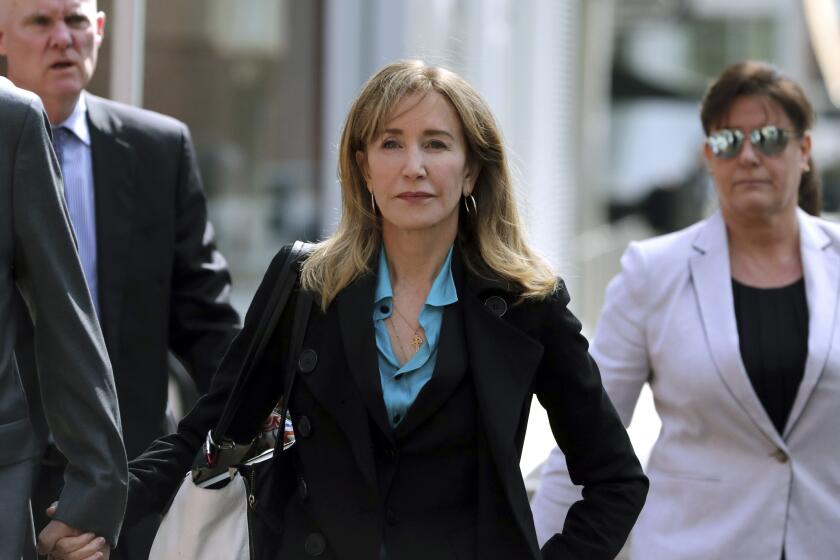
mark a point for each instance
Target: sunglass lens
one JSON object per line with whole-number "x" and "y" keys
{"x": 769, "y": 140}
{"x": 726, "y": 143}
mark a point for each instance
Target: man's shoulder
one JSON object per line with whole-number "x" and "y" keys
{"x": 133, "y": 119}
{"x": 12, "y": 98}
{"x": 19, "y": 110}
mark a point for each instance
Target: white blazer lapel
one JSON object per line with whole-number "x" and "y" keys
{"x": 712, "y": 280}
{"x": 822, "y": 281}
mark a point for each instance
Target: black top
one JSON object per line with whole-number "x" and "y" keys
{"x": 773, "y": 333}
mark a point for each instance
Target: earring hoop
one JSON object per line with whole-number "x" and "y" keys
{"x": 467, "y": 206}
{"x": 373, "y": 203}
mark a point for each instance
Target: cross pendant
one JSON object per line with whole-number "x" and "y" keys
{"x": 416, "y": 341}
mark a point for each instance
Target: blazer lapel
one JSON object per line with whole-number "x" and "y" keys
{"x": 503, "y": 361}
{"x": 333, "y": 387}
{"x": 449, "y": 371}
{"x": 114, "y": 172}
{"x": 822, "y": 281}
{"x": 712, "y": 280}
{"x": 355, "y": 315}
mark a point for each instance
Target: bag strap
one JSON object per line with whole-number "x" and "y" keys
{"x": 278, "y": 300}
{"x": 302, "y": 310}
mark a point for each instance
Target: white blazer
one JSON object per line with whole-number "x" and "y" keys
{"x": 723, "y": 482}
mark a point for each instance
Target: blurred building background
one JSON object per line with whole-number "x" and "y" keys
{"x": 598, "y": 100}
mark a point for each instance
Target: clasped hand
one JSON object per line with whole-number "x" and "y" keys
{"x": 60, "y": 541}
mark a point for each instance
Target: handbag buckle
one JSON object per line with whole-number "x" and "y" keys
{"x": 212, "y": 450}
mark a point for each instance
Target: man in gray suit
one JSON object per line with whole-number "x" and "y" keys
{"x": 38, "y": 257}
{"x": 138, "y": 210}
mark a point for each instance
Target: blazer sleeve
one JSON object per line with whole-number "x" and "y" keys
{"x": 619, "y": 347}
{"x": 77, "y": 385}
{"x": 591, "y": 436}
{"x": 155, "y": 475}
{"x": 202, "y": 321}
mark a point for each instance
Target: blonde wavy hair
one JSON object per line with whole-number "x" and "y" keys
{"x": 490, "y": 240}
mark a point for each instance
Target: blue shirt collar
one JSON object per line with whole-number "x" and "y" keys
{"x": 77, "y": 121}
{"x": 443, "y": 290}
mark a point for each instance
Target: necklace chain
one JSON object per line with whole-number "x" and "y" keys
{"x": 402, "y": 357}
{"x": 417, "y": 338}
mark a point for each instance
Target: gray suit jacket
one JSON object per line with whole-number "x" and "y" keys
{"x": 724, "y": 483}
{"x": 38, "y": 257}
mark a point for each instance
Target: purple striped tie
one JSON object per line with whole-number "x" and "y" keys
{"x": 59, "y": 140}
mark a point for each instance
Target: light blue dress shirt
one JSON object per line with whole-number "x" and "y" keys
{"x": 400, "y": 385}
{"x": 72, "y": 145}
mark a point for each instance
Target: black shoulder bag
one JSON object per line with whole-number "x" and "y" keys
{"x": 224, "y": 457}
{"x": 220, "y": 451}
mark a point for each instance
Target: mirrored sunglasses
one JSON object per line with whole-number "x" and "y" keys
{"x": 769, "y": 140}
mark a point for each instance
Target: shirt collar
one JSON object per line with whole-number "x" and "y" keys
{"x": 77, "y": 121}
{"x": 383, "y": 278}
{"x": 443, "y": 290}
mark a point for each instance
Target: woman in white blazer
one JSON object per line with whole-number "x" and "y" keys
{"x": 732, "y": 323}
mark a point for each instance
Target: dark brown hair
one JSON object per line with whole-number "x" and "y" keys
{"x": 759, "y": 78}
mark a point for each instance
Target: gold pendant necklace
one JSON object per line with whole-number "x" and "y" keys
{"x": 417, "y": 339}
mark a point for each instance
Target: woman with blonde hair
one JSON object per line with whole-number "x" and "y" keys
{"x": 434, "y": 325}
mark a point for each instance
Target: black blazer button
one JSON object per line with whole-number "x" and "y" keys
{"x": 303, "y": 427}
{"x": 315, "y": 544}
{"x": 390, "y": 454}
{"x": 496, "y": 305}
{"x": 307, "y": 361}
{"x": 303, "y": 489}
{"x": 390, "y": 517}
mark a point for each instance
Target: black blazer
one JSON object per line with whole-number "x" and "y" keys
{"x": 163, "y": 286}
{"x": 513, "y": 351}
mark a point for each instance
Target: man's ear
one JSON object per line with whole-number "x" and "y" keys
{"x": 2, "y": 29}
{"x": 361, "y": 161}
{"x": 100, "y": 26}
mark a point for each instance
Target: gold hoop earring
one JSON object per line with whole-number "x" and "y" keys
{"x": 373, "y": 203}
{"x": 467, "y": 206}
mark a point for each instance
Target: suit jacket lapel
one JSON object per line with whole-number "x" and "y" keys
{"x": 355, "y": 315}
{"x": 338, "y": 393}
{"x": 449, "y": 370}
{"x": 712, "y": 280}
{"x": 114, "y": 172}
{"x": 822, "y": 281}
{"x": 503, "y": 362}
